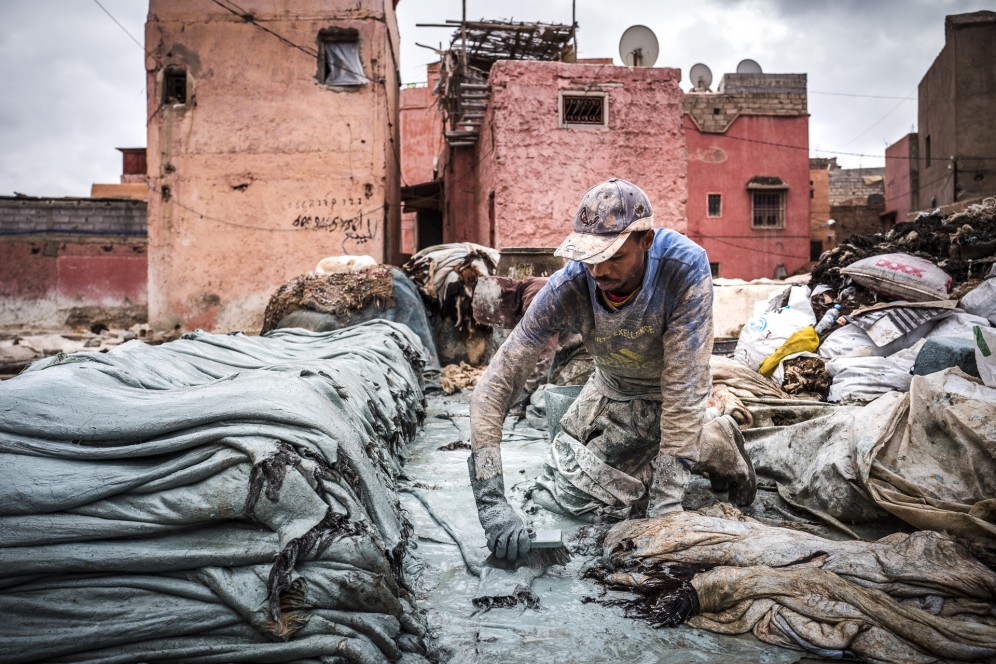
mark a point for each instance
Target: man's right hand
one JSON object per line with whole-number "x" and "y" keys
{"x": 508, "y": 538}
{"x": 507, "y": 535}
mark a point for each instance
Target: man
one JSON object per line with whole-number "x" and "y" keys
{"x": 642, "y": 301}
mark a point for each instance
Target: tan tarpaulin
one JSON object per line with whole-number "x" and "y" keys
{"x": 927, "y": 456}
{"x": 910, "y": 598}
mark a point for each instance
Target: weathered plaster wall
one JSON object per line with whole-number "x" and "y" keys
{"x": 70, "y": 260}
{"x": 421, "y": 143}
{"x": 264, "y": 170}
{"x": 901, "y": 177}
{"x": 538, "y": 170}
{"x": 724, "y": 163}
{"x": 819, "y": 210}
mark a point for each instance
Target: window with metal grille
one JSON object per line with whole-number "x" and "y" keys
{"x": 583, "y": 110}
{"x": 175, "y": 86}
{"x": 768, "y": 209}
{"x": 715, "y": 202}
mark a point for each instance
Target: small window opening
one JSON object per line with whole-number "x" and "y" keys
{"x": 584, "y": 110}
{"x": 715, "y": 204}
{"x": 926, "y": 149}
{"x": 715, "y": 111}
{"x": 339, "y": 58}
{"x": 714, "y": 268}
{"x": 175, "y": 86}
{"x": 768, "y": 209}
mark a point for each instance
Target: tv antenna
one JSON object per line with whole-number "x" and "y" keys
{"x": 748, "y": 66}
{"x": 638, "y": 46}
{"x": 701, "y": 77}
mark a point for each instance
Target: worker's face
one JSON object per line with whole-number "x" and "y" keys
{"x": 623, "y": 272}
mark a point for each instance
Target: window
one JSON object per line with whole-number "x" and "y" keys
{"x": 175, "y": 86}
{"x": 926, "y": 149}
{"x": 339, "y": 58}
{"x": 768, "y": 209}
{"x": 714, "y": 268}
{"x": 715, "y": 204}
{"x": 581, "y": 109}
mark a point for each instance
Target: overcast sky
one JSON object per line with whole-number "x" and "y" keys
{"x": 76, "y": 83}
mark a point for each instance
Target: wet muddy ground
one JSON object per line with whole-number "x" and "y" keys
{"x": 565, "y": 627}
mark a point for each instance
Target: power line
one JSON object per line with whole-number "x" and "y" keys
{"x": 138, "y": 43}
{"x": 249, "y": 18}
{"x": 849, "y": 94}
{"x": 833, "y": 152}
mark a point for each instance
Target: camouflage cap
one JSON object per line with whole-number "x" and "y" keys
{"x": 609, "y": 212}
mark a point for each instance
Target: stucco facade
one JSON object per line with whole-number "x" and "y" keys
{"x": 747, "y": 147}
{"x": 260, "y": 161}
{"x": 519, "y": 186}
{"x": 822, "y": 236}
{"x": 72, "y": 262}
{"x": 957, "y": 114}
{"x": 421, "y": 144}
{"x": 901, "y": 180}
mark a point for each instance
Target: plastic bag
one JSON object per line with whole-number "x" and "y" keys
{"x": 985, "y": 354}
{"x": 765, "y": 333}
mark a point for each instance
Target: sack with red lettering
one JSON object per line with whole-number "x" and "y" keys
{"x": 901, "y": 276}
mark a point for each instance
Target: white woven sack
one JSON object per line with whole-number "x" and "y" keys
{"x": 901, "y": 276}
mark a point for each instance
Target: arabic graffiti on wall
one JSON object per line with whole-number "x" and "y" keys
{"x": 338, "y": 215}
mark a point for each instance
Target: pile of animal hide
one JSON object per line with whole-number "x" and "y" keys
{"x": 963, "y": 244}
{"x": 218, "y": 498}
{"x": 336, "y": 293}
{"x": 927, "y": 456}
{"x": 457, "y": 377}
{"x": 446, "y": 276}
{"x": 337, "y": 300}
{"x": 906, "y": 598}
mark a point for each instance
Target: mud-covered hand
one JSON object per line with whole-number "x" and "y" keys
{"x": 508, "y": 537}
{"x": 724, "y": 457}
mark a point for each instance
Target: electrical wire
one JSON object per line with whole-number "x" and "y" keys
{"x": 249, "y": 18}
{"x": 138, "y": 43}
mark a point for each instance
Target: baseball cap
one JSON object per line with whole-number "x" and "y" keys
{"x": 609, "y": 212}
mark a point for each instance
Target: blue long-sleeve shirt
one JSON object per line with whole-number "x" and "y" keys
{"x": 657, "y": 346}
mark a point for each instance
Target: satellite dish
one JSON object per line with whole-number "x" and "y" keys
{"x": 748, "y": 66}
{"x": 701, "y": 77}
{"x": 638, "y": 46}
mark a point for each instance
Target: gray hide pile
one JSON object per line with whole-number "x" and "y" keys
{"x": 219, "y": 498}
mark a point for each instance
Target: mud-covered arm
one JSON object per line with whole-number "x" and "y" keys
{"x": 686, "y": 379}
{"x": 505, "y": 376}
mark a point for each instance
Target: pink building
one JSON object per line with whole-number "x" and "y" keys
{"x": 272, "y": 143}
{"x": 748, "y": 174}
{"x": 901, "y": 181}
{"x": 421, "y": 144}
{"x": 550, "y": 131}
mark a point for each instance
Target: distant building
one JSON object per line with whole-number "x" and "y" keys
{"x": 822, "y": 235}
{"x": 902, "y": 181}
{"x": 134, "y": 178}
{"x": 421, "y": 144}
{"x": 552, "y": 130}
{"x": 748, "y": 174}
{"x": 272, "y": 143}
{"x": 72, "y": 262}
{"x": 956, "y": 138}
{"x": 857, "y": 201}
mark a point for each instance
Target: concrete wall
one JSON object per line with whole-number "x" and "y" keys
{"x": 857, "y": 201}
{"x": 723, "y": 163}
{"x": 901, "y": 179}
{"x": 527, "y": 173}
{"x": 955, "y": 113}
{"x": 72, "y": 262}
{"x": 264, "y": 170}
